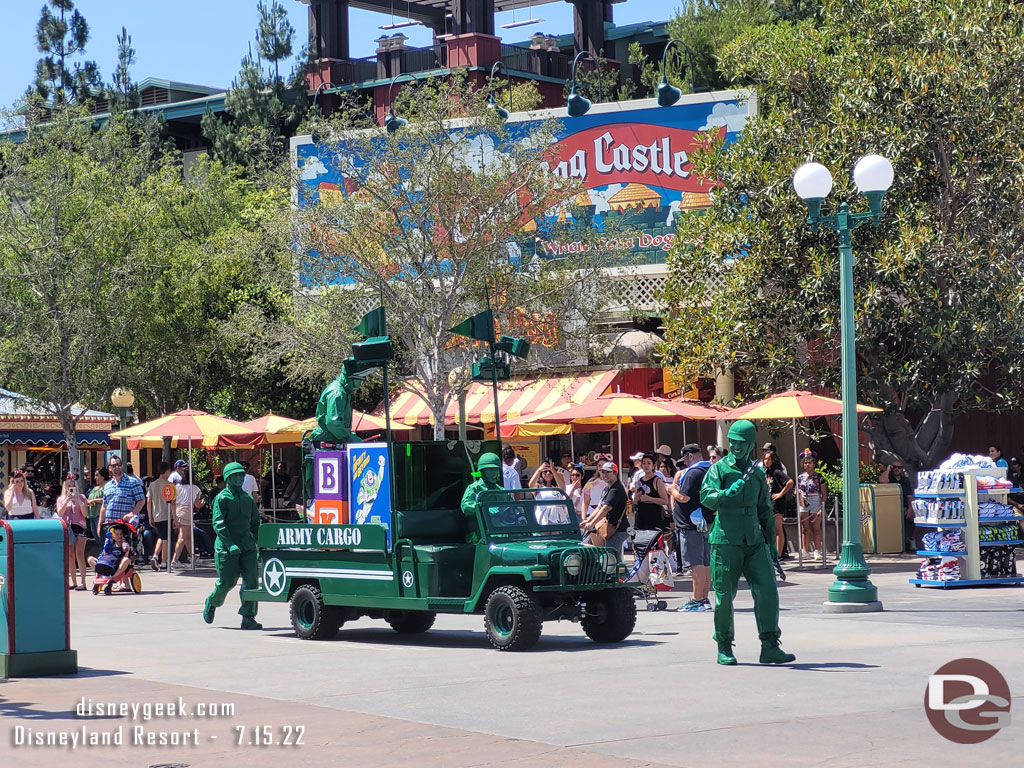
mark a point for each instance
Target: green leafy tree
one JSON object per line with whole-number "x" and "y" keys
{"x": 74, "y": 205}
{"x": 61, "y": 34}
{"x": 433, "y": 219}
{"x": 705, "y": 28}
{"x": 938, "y": 286}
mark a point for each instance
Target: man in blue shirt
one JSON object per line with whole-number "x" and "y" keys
{"x": 123, "y": 496}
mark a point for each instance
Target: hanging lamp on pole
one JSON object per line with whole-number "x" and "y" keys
{"x": 491, "y": 103}
{"x": 669, "y": 94}
{"x": 577, "y": 105}
{"x": 393, "y": 122}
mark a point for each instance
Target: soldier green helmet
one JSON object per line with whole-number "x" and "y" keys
{"x": 232, "y": 469}
{"x": 743, "y": 431}
{"x": 488, "y": 461}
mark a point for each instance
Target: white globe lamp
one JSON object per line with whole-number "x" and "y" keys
{"x": 812, "y": 181}
{"x": 872, "y": 173}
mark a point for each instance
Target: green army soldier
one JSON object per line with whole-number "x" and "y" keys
{"x": 488, "y": 470}
{"x": 742, "y": 543}
{"x": 236, "y": 521}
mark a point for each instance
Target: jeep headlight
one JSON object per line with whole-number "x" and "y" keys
{"x": 609, "y": 562}
{"x": 573, "y": 564}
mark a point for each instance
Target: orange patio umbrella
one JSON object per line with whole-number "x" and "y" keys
{"x": 612, "y": 410}
{"x": 188, "y": 425}
{"x": 796, "y": 404}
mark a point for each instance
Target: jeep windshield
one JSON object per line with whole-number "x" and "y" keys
{"x": 529, "y": 512}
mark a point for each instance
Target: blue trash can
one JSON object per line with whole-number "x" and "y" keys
{"x": 35, "y": 626}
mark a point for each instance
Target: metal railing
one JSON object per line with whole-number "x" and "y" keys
{"x": 424, "y": 59}
{"x": 547, "y": 63}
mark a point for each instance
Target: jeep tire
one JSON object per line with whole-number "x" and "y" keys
{"x": 512, "y": 619}
{"x": 311, "y": 619}
{"x": 610, "y": 617}
{"x": 411, "y": 622}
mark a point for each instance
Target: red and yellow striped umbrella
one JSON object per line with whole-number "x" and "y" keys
{"x": 361, "y": 422}
{"x": 794, "y": 404}
{"x": 185, "y": 428}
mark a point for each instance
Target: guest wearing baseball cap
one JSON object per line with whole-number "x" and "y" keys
{"x": 607, "y": 526}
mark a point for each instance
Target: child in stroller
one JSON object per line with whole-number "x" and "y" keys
{"x": 656, "y": 579}
{"x": 114, "y": 564}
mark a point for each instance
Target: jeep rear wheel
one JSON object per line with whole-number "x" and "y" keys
{"x": 311, "y": 619}
{"x": 610, "y": 617}
{"x": 411, "y": 622}
{"x": 512, "y": 619}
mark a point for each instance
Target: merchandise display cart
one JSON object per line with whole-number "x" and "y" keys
{"x": 950, "y": 500}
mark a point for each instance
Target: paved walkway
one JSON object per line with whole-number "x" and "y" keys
{"x": 374, "y": 698}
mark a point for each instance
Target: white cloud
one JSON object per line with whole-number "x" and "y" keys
{"x": 733, "y": 116}
{"x": 477, "y": 152}
{"x": 312, "y": 168}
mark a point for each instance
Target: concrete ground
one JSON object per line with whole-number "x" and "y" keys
{"x": 373, "y": 698}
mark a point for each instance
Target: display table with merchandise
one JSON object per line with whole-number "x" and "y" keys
{"x": 975, "y": 529}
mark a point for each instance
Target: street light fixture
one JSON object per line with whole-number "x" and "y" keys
{"x": 669, "y": 94}
{"x": 491, "y": 104}
{"x": 123, "y": 400}
{"x": 393, "y": 122}
{"x": 577, "y": 105}
{"x": 852, "y": 591}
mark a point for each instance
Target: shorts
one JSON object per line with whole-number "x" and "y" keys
{"x": 812, "y": 509}
{"x": 618, "y": 541}
{"x": 102, "y": 569}
{"x": 160, "y": 528}
{"x": 77, "y": 530}
{"x": 696, "y": 548}
{"x": 181, "y": 515}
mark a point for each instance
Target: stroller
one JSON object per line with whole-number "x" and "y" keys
{"x": 643, "y": 544}
{"x": 130, "y": 578}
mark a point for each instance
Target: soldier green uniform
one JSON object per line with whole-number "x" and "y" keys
{"x": 236, "y": 521}
{"x": 742, "y": 543}
{"x": 489, "y": 470}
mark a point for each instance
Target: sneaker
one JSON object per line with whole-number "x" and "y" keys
{"x": 154, "y": 564}
{"x": 819, "y": 555}
{"x": 688, "y": 605}
{"x": 700, "y": 607}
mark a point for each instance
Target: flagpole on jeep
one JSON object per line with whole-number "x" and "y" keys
{"x": 387, "y": 397}
{"x": 494, "y": 372}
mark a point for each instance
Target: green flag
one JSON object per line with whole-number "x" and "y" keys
{"x": 479, "y": 327}
{"x": 372, "y": 324}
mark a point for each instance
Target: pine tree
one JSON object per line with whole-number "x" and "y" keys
{"x": 263, "y": 109}
{"x": 123, "y": 93}
{"x": 274, "y": 36}
{"x": 60, "y": 35}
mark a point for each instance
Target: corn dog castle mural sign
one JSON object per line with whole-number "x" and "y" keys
{"x": 633, "y": 158}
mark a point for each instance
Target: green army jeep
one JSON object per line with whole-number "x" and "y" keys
{"x": 519, "y": 563}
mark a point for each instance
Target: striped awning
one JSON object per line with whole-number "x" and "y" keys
{"x": 516, "y": 398}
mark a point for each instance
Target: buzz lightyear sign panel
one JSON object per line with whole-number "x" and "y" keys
{"x": 632, "y": 157}
{"x": 369, "y": 489}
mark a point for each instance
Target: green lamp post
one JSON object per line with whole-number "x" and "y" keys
{"x": 123, "y": 400}
{"x": 852, "y": 591}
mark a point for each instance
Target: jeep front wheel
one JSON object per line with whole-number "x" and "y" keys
{"x": 610, "y": 617}
{"x": 512, "y": 619}
{"x": 411, "y": 622}
{"x": 311, "y": 619}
